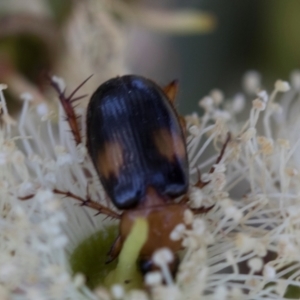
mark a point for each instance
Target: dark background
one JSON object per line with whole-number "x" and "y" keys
{"x": 260, "y": 35}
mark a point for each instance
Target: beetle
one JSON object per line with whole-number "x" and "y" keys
{"x": 136, "y": 141}
{"x": 137, "y": 145}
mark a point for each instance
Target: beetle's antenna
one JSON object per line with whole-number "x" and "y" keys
{"x": 66, "y": 103}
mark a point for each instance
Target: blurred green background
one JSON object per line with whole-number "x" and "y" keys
{"x": 249, "y": 34}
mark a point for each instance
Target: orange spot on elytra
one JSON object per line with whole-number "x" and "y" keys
{"x": 110, "y": 160}
{"x": 168, "y": 144}
{"x": 171, "y": 90}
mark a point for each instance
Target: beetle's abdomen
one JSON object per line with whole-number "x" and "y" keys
{"x": 135, "y": 141}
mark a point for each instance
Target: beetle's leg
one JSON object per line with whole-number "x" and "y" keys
{"x": 221, "y": 153}
{"x": 84, "y": 202}
{"x": 196, "y": 211}
{"x": 115, "y": 250}
{"x": 26, "y": 197}
{"x": 202, "y": 209}
{"x": 90, "y": 203}
{"x": 184, "y": 199}
{"x": 200, "y": 184}
{"x": 171, "y": 90}
{"x": 66, "y": 103}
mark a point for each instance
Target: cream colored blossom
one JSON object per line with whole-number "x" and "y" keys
{"x": 249, "y": 239}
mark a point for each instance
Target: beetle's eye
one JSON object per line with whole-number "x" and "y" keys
{"x": 146, "y": 265}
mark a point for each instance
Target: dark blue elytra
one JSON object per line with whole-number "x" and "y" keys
{"x": 129, "y": 111}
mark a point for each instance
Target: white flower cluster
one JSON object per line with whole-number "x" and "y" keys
{"x": 36, "y": 231}
{"x": 246, "y": 247}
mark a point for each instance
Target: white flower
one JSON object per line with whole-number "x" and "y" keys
{"x": 248, "y": 238}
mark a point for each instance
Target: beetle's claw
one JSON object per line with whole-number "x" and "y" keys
{"x": 114, "y": 250}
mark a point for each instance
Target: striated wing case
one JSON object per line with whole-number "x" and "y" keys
{"x": 135, "y": 141}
